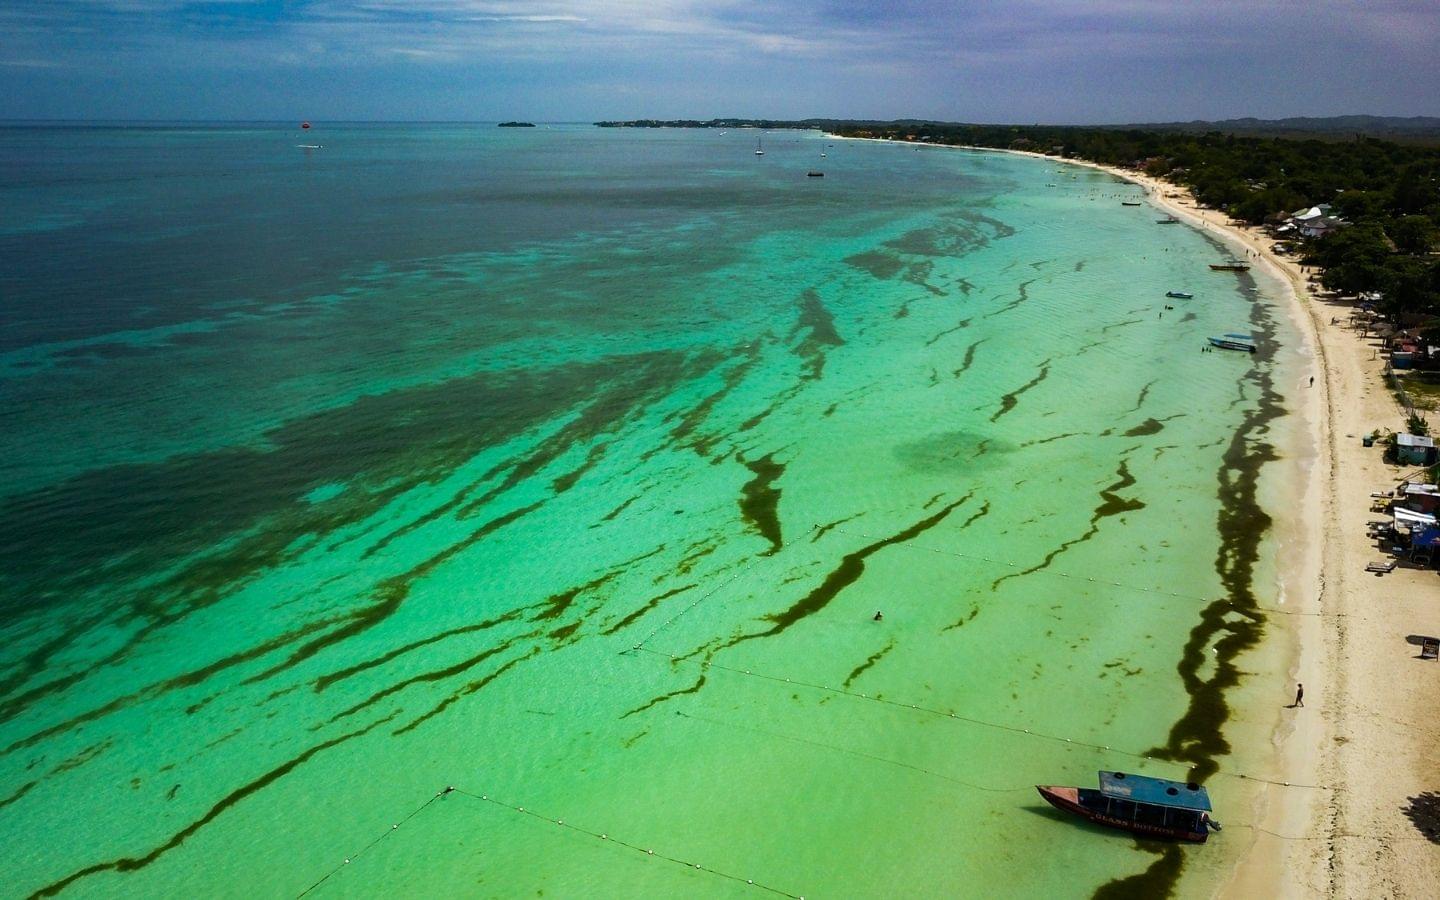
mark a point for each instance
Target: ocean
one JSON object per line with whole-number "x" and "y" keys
{"x": 452, "y": 510}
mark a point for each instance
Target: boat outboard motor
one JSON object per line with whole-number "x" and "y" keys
{"x": 1212, "y": 824}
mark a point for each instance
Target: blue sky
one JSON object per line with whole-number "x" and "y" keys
{"x": 563, "y": 60}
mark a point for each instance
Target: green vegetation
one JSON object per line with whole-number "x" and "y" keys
{"x": 1424, "y": 392}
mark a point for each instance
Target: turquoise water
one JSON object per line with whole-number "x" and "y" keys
{"x": 569, "y": 467}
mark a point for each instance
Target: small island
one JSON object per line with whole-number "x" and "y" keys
{"x": 517, "y": 124}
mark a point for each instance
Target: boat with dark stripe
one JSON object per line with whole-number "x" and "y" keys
{"x": 1139, "y": 804}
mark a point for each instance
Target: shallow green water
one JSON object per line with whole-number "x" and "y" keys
{"x": 569, "y": 468}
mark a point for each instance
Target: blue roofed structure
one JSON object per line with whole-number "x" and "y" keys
{"x": 1155, "y": 791}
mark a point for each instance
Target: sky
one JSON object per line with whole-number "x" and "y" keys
{"x": 1011, "y": 61}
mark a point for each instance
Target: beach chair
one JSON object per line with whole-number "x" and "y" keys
{"x": 1382, "y": 566}
{"x": 1430, "y": 649}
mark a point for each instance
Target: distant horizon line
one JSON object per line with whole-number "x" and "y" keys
{"x": 7, "y": 122}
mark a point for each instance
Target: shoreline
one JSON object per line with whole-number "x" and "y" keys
{"x": 1366, "y": 725}
{"x": 1295, "y": 757}
{"x": 1365, "y": 728}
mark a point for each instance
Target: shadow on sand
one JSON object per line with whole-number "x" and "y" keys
{"x": 1424, "y": 813}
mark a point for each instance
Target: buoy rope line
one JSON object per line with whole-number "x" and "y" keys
{"x": 605, "y": 836}
{"x": 1063, "y": 574}
{"x": 701, "y": 599}
{"x": 599, "y": 835}
{"x": 561, "y": 823}
{"x": 946, "y": 714}
{"x": 378, "y": 838}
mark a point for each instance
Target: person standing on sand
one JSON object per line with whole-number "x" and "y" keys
{"x": 1299, "y": 696}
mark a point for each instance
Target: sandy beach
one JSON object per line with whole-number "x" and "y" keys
{"x": 1370, "y": 713}
{"x": 1364, "y": 734}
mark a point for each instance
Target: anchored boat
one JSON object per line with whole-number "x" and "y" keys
{"x": 1230, "y": 267}
{"x": 1168, "y": 220}
{"x": 1234, "y": 342}
{"x": 1152, "y": 807}
{"x": 1130, "y": 203}
{"x": 1180, "y": 295}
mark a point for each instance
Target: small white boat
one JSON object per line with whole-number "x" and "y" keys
{"x": 759, "y": 148}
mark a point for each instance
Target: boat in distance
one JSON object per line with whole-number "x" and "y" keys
{"x": 1168, "y": 220}
{"x": 1130, "y": 203}
{"x": 1234, "y": 342}
{"x": 814, "y": 174}
{"x": 1139, "y": 804}
{"x": 1180, "y": 295}
{"x": 1230, "y": 267}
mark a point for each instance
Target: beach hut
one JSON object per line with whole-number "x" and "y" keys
{"x": 1417, "y": 496}
{"x": 1424, "y": 543}
{"x": 1414, "y": 450}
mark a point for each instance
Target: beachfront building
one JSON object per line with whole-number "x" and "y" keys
{"x": 1314, "y": 222}
{"x": 1419, "y": 496}
{"x": 1414, "y": 450}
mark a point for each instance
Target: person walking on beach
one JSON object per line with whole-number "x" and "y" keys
{"x": 1312, "y": 380}
{"x": 1299, "y": 696}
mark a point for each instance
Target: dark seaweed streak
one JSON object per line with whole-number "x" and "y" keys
{"x": 868, "y": 663}
{"x": 760, "y": 499}
{"x": 654, "y": 602}
{"x": 1157, "y": 881}
{"x": 1008, "y": 401}
{"x": 1145, "y": 428}
{"x": 132, "y": 863}
{"x": 818, "y": 326}
{"x": 1198, "y": 737}
{"x": 851, "y": 567}
{"x": 1111, "y": 504}
{"x": 969, "y": 359}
